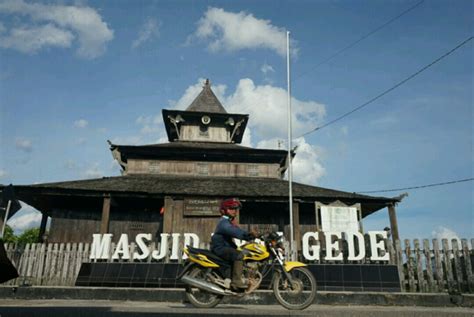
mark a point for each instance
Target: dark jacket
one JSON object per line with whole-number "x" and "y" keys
{"x": 224, "y": 233}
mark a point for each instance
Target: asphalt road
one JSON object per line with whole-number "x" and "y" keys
{"x": 76, "y": 308}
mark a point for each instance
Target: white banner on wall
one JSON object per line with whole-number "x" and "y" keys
{"x": 339, "y": 219}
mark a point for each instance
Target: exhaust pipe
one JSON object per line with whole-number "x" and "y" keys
{"x": 201, "y": 284}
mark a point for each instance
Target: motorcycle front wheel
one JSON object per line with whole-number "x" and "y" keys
{"x": 200, "y": 298}
{"x": 298, "y": 294}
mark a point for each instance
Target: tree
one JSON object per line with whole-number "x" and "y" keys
{"x": 9, "y": 235}
{"x": 29, "y": 236}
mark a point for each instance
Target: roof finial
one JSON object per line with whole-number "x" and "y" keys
{"x": 207, "y": 83}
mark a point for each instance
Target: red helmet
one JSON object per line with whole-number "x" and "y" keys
{"x": 231, "y": 203}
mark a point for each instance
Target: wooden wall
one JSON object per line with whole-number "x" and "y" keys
{"x": 176, "y": 222}
{"x": 78, "y": 226}
{"x": 69, "y": 226}
{"x": 206, "y": 134}
{"x": 135, "y": 166}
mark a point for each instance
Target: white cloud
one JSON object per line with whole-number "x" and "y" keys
{"x": 150, "y": 126}
{"x": 307, "y": 167}
{"x": 247, "y": 138}
{"x": 267, "y": 69}
{"x": 81, "y": 123}
{"x": 24, "y": 144}
{"x": 148, "y": 31}
{"x": 32, "y": 39}
{"x": 236, "y": 31}
{"x": 268, "y": 72}
{"x": 267, "y": 107}
{"x": 93, "y": 171}
{"x": 3, "y": 173}
{"x": 63, "y": 24}
{"x": 114, "y": 166}
{"x": 445, "y": 233}
{"x": 27, "y": 217}
{"x": 128, "y": 140}
{"x": 273, "y": 144}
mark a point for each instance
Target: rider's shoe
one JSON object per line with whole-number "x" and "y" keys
{"x": 237, "y": 281}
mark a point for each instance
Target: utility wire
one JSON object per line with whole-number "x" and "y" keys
{"x": 417, "y": 187}
{"x": 390, "y": 89}
{"x": 358, "y": 40}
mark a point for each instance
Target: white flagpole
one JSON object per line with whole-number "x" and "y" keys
{"x": 290, "y": 171}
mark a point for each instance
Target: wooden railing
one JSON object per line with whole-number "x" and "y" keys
{"x": 424, "y": 266}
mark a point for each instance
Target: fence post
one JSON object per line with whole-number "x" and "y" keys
{"x": 429, "y": 268}
{"x": 391, "y": 251}
{"x": 41, "y": 260}
{"x": 65, "y": 264}
{"x": 447, "y": 264}
{"x": 35, "y": 265}
{"x": 439, "y": 271}
{"x": 73, "y": 265}
{"x": 419, "y": 267}
{"x": 85, "y": 255}
{"x": 401, "y": 271}
{"x": 457, "y": 265}
{"x": 467, "y": 264}
{"x": 410, "y": 260}
{"x": 31, "y": 254}
{"x": 47, "y": 265}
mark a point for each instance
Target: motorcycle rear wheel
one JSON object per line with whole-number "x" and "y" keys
{"x": 301, "y": 295}
{"x": 200, "y": 298}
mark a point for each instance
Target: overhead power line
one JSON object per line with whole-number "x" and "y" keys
{"x": 417, "y": 187}
{"x": 389, "y": 89}
{"x": 358, "y": 40}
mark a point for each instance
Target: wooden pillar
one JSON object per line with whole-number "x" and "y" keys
{"x": 393, "y": 222}
{"x": 44, "y": 220}
{"x": 168, "y": 215}
{"x": 104, "y": 225}
{"x": 296, "y": 225}
{"x": 317, "y": 205}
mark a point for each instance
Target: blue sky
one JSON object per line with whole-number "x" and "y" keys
{"x": 74, "y": 74}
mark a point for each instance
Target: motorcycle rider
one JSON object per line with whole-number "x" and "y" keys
{"x": 222, "y": 243}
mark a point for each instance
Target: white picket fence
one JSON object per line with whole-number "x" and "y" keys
{"x": 423, "y": 266}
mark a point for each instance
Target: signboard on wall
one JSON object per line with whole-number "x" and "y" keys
{"x": 201, "y": 207}
{"x": 340, "y": 219}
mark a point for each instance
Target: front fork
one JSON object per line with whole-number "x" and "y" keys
{"x": 282, "y": 270}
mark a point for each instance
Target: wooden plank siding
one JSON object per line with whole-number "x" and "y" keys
{"x": 219, "y": 169}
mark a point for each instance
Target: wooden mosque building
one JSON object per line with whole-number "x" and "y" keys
{"x": 176, "y": 187}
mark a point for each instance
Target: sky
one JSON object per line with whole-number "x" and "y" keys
{"x": 74, "y": 74}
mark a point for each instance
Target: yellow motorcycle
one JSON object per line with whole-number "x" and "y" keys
{"x": 208, "y": 277}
